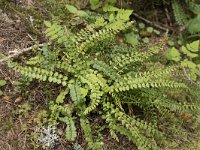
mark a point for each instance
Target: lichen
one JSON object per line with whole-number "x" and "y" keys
{"x": 48, "y": 136}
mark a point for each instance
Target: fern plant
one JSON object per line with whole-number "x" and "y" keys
{"x": 190, "y": 51}
{"x": 99, "y": 75}
{"x": 183, "y": 16}
{"x": 179, "y": 14}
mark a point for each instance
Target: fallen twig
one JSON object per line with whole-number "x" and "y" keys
{"x": 17, "y": 52}
{"x": 151, "y": 23}
{"x": 188, "y": 77}
{"x": 168, "y": 16}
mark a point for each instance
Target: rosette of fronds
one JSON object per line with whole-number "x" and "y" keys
{"x": 99, "y": 75}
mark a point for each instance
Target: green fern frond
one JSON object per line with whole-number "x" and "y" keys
{"x": 77, "y": 97}
{"x": 146, "y": 80}
{"x": 194, "y": 6}
{"x": 98, "y": 37}
{"x": 65, "y": 66}
{"x": 113, "y": 134}
{"x": 87, "y": 130}
{"x": 102, "y": 35}
{"x": 129, "y": 127}
{"x": 75, "y": 92}
{"x": 128, "y": 121}
{"x": 138, "y": 139}
{"x": 93, "y": 145}
{"x": 163, "y": 101}
{"x": 117, "y": 101}
{"x": 122, "y": 60}
{"x": 83, "y": 34}
{"x": 35, "y": 60}
{"x": 96, "y": 84}
{"x": 106, "y": 69}
{"x": 61, "y": 96}
{"x": 191, "y": 107}
{"x": 57, "y": 33}
{"x": 70, "y": 131}
{"x": 169, "y": 104}
{"x": 41, "y": 74}
{"x": 179, "y": 14}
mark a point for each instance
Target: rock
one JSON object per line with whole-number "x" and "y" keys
{"x": 18, "y": 100}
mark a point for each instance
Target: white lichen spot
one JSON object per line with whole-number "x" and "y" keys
{"x": 48, "y": 136}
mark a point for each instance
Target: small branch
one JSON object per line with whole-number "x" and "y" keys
{"x": 168, "y": 16}
{"x": 16, "y": 52}
{"x": 151, "y": 23}
{"x": 188, "y": 77}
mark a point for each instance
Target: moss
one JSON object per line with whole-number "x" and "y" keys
{"x": 24, "y": 14}
{"x": 6, "y": 125}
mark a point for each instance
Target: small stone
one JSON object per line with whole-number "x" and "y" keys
{"x": 19, "y": 99}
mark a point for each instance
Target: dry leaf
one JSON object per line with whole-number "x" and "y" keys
{"x": 186, "y": 116}
{"x": 6, "y": 98}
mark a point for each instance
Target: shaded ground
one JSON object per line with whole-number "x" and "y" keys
{"x": 13, "y": 35}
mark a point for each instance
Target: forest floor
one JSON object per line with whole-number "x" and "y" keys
{"x": 13, "y": 35}
{"x": 18, "y": 111}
